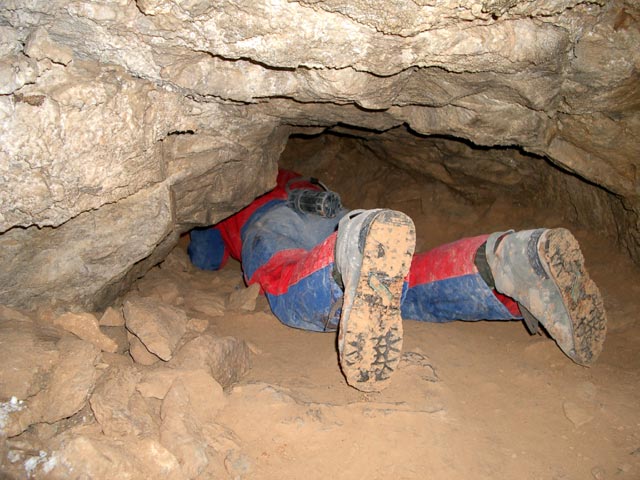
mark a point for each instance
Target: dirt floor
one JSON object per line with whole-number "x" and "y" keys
{"x": 481, "y": 400}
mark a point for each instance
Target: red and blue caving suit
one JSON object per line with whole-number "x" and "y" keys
{"x": 290, "y": 255}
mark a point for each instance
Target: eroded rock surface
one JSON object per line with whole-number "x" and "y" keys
{"x": 124, "y": 124}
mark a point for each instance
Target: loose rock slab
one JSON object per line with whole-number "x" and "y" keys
{"x": 244, "y": 298}
{"x": 91, "y": 455}
{"x": 61, "y": 393}
{"x": 86, "y": 326}
{"x": 159, "y": 327}
{"x": 189, "y": 407}
{"x": 26, "y": 354}
{"x": 206, "y": 303}
{"x": 112, "y": 318}
{"x": 227, "y": 359}
{"x": 139, "y": 352}
{"x": 117, "y": 405}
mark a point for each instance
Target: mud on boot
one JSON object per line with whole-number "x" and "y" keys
{"x": 543, "y": 270}
{"x": 373, "y": 255}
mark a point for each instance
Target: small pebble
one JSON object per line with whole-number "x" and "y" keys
{"x": 575, "y": 414}
{"x": 598, "y": 473}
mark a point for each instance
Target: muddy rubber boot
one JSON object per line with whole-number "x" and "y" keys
{"x": 373, "y": 254}
{"x": 543, "y": 270}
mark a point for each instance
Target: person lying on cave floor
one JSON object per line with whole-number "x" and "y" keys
{"x": 356, "y": 272}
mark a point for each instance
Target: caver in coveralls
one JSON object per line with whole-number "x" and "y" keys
{"x": 503, "y": 276}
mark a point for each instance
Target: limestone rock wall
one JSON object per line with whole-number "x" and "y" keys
{"x": 124, "y": 123}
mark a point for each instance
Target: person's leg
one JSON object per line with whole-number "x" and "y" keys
{"x": 543, "y": 270}
{"x": 303, "y": 267}
{"x": 373, "y": 255}
{"x": 445, "y": 284}
{"x": 535, "y": 274}
{"x": 291, "y": 256}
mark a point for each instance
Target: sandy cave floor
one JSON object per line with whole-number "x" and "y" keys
{"x": 470, "y": 400}
{"x": 481, "y": 400}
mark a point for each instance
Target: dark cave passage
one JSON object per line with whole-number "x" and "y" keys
{"x": 444, "y": 179}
